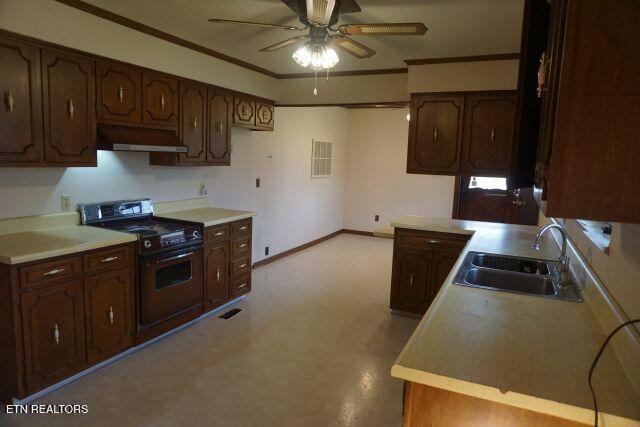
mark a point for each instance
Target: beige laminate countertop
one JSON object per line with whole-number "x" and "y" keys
{"x": 520, "y": 350}
{"x": 33, "y": 245}
{"x": 208, "y": 216}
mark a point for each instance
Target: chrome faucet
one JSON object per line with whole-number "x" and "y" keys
{"x": 563, "y": 268}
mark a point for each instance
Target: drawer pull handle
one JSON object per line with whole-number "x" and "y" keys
{"x": 8, "y": 101}
{"x": 218, "y": 275}
{"x": 242, "y": 245}
{"x": 120, "y": 93}
{"x": 411, "y": 281}
{"x": 433, "y": 242}
{"x": 109, "y": 259}
{"x": 492, "y": 137}
{"x": 53, "y": 272}
{"x": 173, "y": 258}
{"x": 112, "y": 316}
{"x": 194, "y": 123}
{"x": 56, "y": 334}
{"x": 162, "y": 101}
{"x": 435, "y": 135}
{"x": 244, "y": 227}
{"x": 71, "y": 108}
{"x": 242, "y": 265}
{"x": 219, "y": 233}
{"x": 244, "y": 285}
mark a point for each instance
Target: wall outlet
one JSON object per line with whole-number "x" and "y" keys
{"x": 376, "y": 218}
{"x": 65, "y": 203}
{"x": 266, "y": 250}
{"x": 203, "y": 189}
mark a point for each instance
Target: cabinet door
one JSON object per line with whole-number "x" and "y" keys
{"x": 435, "y": 134}
{"x": 443, "y": 262}
{"x": 219, "y": 107}
{"x": 244, "y": 112}
{"x": 21, "y": 110}
{"x": 68, "y": 90}
{"x": 53, "y": 325}
{"x": 109, "y": 318}
{"x": 264, "y": 116}
{"x": 160, "y": 100}
{"x": 411, "y": 288}
{"x": 216, "y": 261}
{"x": 488, "y": 134}
{"x": 193, "y": 105}
{"x": 119, "y": 93}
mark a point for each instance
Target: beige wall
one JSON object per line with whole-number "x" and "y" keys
{"x": 463, "y": 76}
{"x": 57, "y": 23}
{"x": 377, "y": 182}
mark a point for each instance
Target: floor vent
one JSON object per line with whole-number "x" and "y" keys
{"x": 230, "y": 313}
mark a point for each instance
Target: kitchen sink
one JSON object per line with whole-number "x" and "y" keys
{"x": 513, "y": 274}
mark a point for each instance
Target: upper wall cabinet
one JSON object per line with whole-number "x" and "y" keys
{"x": 192, "y": 128}
{"x": 68, "y": 92}
{"x": 119, "y": 93}
{"x": 252, "y": 114}
{"x": 21, "y": 110}
{"x": 264, "y": 116}
{"x": 488, "y": 134}
{"x": 219, "y": 111}
{"x": 160, "y": 100}
{"x": 435, "y": 134}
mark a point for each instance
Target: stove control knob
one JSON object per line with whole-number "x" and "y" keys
{"x": 147, "y": 244}
{"x": 196, "y": 234}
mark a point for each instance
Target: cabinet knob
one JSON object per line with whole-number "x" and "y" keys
{"x": 244, "y": 227}
{"x": 194, "y": 123}
{"x": 411, "y": 280}
{"x": 70, "y": 108}
{"x": 53, "y": 272}
{"x": 435, "y": 135}
{"x": 120, "y": 93}
{"x": 433, "y": 242}
{"x": 244, "y": 285}
{"x": 542, "y": 74}
{"x": 8, "y": 101}
{"x": 242, "y": 265}
{"x": 112, "y": 316}
{"x": 56, "y": 334}
{"x": 109, "y": 259}
{"x": 492, "y": 136}
{"x": 244, "y": 245}
{"x": 219, "y": 233}
{"x": 218, "y": 275}
{"x": 162, "y": 101}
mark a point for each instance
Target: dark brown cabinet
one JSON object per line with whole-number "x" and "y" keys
{"x": 54, "y": 334}
{"x": 68, "y": 92}
{"x": 219, "y": 109}
{"x": 21, "y": 109}
{"x": 435, "y": 134}
{"x": 488, "y": 134}
{"x": 159, "y": 100}
{"x": 422, "y": 260}
{"x": 244, "y": 112}
{"x": 193, "y": 131}
{"x": 264, "y": 116}
{"x": 119, "y": 93}
{"x": 216, "y": 262}
{"x": 109, "y": 313}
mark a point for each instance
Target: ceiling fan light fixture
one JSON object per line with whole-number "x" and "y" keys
{"x": 319, "y": 56}
{"x": 302, "y": 55}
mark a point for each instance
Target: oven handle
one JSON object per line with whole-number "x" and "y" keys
{"x": 174, "y": 257}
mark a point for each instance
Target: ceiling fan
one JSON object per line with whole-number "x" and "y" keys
{"x": 318, "y": 18}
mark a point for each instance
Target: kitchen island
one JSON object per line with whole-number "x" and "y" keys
{"x": 512, "y": 359}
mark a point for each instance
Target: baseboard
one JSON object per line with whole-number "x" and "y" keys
{"x": 358, "y": 232}
{"x": 292, "y": 251}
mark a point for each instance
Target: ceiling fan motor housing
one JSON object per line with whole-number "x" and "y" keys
{"x": 302, "y": 11}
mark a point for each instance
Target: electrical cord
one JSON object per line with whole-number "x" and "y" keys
{"x": 595, "y": 362}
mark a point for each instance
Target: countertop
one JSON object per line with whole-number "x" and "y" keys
{"x": 208, "y": 216}
{"x": 33, "y": 245}
{"x": 520, "y": 350}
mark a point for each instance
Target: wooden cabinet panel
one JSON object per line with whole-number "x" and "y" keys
{"x": 160, "y": 100}
{"x": 244, "y": 111}
{"x": 435, "y": 134}
{"x": 411, "y": 279}
{"x": 239, "y": 228}
{"x": 21, "y": 110}
{"x": 241, "y": 246}
{"x": 488, "y": 134}
{"x": 109, "y": 313}
{"x": 216, "y": 261}
{"x": 107, "y": 259}
{"x": 264, "y": 116}
{"x": 240, "y": 285}
{"x": 51, "y": 271}
{"x": 68, "y": 90}
{"x": 443, "y": 262}
{"x": 54, "y": 334}
{"x": 193, "y": 133}
{"x": 119, "y": 93}
{"x": 240, "y": 266}
{"x": 216, "y": 233}
{"x": 219, "y": 109}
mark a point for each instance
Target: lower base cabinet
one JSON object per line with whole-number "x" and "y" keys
{"x": 421, "y": 262}
{"x": 216, "y": 261}
{"x": 109, "y": 313}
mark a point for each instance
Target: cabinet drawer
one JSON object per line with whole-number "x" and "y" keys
{"x": 107, "y": 259}
{"x": 241, "y": 228}
{"x": 240, "y": 266}
{"x": 241, "y": 246}
{"x": 51, "y": 271}
{"x": 216, "y": 233}
{"x": 240, "y": 285}
{"x": 431, "y": 240}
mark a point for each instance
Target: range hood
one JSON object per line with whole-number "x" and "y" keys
{"x": 124, "y": 138}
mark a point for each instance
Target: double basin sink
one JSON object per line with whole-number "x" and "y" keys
{"x": 514, "y": 274}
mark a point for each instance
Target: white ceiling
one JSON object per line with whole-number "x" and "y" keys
{"x": 456, "y": 28}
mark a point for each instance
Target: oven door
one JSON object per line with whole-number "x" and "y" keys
{"x": 170, "y": 284}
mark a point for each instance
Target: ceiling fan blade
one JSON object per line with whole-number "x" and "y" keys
{"x": 282, "y": 44}
{"x": 352, "y": 47}
{"x": 319, "y": 11}
{"x": 258, "y": 24}
{"x": 392, "y": 29}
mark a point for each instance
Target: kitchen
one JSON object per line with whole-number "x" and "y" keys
{"x": 325, "y": 248}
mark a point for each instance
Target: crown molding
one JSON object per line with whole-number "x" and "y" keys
{"x": 345, "y": 73}
{"x": 352, "y": 105}
{"x": 477, "y": 58}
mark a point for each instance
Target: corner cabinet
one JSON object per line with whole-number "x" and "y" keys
{"x": 422, "y": 260}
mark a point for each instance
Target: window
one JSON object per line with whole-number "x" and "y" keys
{"x": 321, "y": 159}
{"x": 488, "y": 183}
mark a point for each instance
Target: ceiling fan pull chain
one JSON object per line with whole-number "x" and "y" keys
{"x": 315, "y": 84}
{"x": 328, "y": 73}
